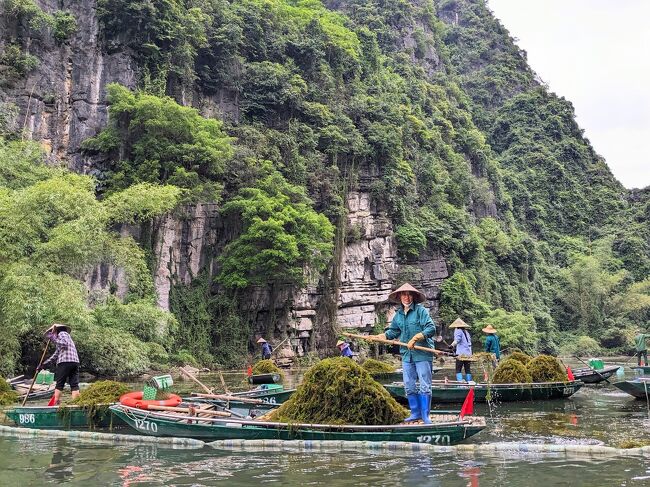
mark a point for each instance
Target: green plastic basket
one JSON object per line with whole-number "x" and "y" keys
{"x": 596, "y": 363}
{"x": 45, "y": 377}
{"x": 149, "y": 393}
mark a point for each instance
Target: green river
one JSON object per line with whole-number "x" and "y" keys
{"x": 595, "y": 415}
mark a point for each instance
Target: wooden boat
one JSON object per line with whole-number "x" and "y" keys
{"x": 241, "y": 407}
{"x": 446, "y": 429}
{"x": 268, "y": 393}
{"x": 641, "y": 369}
{"x": 589, "y": 375}
{"x": 638, "y": 387}
{"x": 63, "y": 417}
{"x": 272, "y": 378}
{"x": 396, "y": 376}
{"x": 456, "y": 392}
{"x": 39, "y": 391}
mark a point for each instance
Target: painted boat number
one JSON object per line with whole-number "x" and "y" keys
{"x": 435, "y": 439}
{"x": 568, "y": 391}
{"x": 146, "y": 425}
{"x": 269, "y": 400}
{"x": 26, "y": 418}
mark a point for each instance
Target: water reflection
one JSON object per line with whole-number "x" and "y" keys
{"x": 60, "y": 467}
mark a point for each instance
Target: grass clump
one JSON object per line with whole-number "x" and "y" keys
{"x": 100, "y": 392}
{"x": 520, "y": 357}
{"x": 7, "y": 394}
{"x": 373, "y": 366}
{"x": 545, "y": 368}
{"x": 511, "y": 371}
{"x": 338, "y": 391}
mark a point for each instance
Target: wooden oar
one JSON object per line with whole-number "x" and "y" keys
{"x": 16, "y": 379}
{"x": 604, "y": 378}
{"x": 223, "y": 383}
{"x": 373, "y": 338}
{"x": 191, "y": 376}
{"x": 192, "y": 411}
{"x": 36, "y": 373}
{"x": 277, "y": 347}
{"x": 224, "y": 397}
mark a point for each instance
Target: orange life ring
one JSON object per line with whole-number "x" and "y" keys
{"x": 134, "y": 400}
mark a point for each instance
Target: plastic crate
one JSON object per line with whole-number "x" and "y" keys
{"x": 162, "y": 382}
{"x": 45, "y": 377}
{"x": 149, "y": 393}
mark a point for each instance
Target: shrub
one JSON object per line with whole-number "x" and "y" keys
{"x": 111, "y": 352}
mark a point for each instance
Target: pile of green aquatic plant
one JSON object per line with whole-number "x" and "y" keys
{"x": 101, "y": 392}
{"x": 520, "y": 357}
{"x": 267, "y": 367}
{"x": 338, "y": 391}
{"x": 7, "y": 394}
{"x": 545, "y": 368}
{"x": 373, "y": 366}
{"x": 511, "y": 371}
{"x": 633, "y": 443}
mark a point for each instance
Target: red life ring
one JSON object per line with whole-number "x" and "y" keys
{"x": 134, "y": 400}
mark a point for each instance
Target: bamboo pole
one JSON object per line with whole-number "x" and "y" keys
{"x": 191, "y": 376}
{"x": 189, "y": 410}
{"x": 224, "y": 397}
{"x": 223, "y": 383}
{"x": 36, "y": 372}
{"x": 373, "y": 338}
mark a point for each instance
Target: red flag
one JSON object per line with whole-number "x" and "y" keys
{"x": 468, "y": 404}
{"x": 569, "y": 374}
{"x": 249, "y": 371}
{"x": 52, "y": 401}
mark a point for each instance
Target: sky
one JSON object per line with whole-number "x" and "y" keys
{"x": 596, "y": 54}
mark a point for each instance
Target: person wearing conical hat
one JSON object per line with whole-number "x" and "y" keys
{"x": 266, "y": 349}
{"x": 66, "y": 359}
{"x": 413, "y": 325}
{"x": 463, "y": 343}
{"x": 492, "y": 344}
{"x": 344, "y": 347}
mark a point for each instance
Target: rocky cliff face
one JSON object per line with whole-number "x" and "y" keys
{"x": 62, "y": 102}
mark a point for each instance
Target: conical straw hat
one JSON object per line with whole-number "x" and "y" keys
{"x": 489, "y": 329}
{"x": 418, "y": 296}
{"x": 261, "y": 340}
{"x": 339, "y": 343}
{"x": 458, "y": 323}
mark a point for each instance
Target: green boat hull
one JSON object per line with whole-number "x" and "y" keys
{"x": 158, "y": 425}
{"x": 269, "y": 397}
{"x": 237, "y": 407}
{"x": 388, "y": 377}
{"x": 66, "y": 417}
{"x": 456, "y": 393}
{"x": 643, "y": 370}
{"x": 636, "y": 387}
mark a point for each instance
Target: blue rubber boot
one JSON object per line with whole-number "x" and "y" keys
{"x": 469, "y": 378}
{"x": 425, "y": 407}
{"x": 414, "y": 404}
{"x": 459, "y": 376}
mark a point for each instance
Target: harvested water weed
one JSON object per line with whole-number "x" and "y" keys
{"x": 95, "y": 399}
{"x": 520, "y": 357}
{"x": 511, "y": 371}
{"x": 267, "y": 367}
{"x": 338, "y": 391}
{"x": 373, "y": 366}
{"x": 7, "y": 394}
{"x": 545, "y": 368}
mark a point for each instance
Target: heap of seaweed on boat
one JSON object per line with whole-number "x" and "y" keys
{"x": 521, "y": 357}
{"x": 373, "y": 366}
{"x": 7, "y": 394}
{"x": 339, "y": 391}
{"x": 96, "y": 399}
{"x": 267, "y": 367}
{"x": 545, "y": 368}
{"x": 511, "y": 371}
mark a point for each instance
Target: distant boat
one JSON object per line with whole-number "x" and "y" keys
{"x": 641, "y": 369}
{"x": 456, "y": 392}
{"x": 639, "y": 388}
{"x": 39, "y": 391}
{"x": 270, "y": 378}
{"x": 589, "y": 375}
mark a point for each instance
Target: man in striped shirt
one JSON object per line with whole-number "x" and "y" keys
{"x": 66, "y": 359}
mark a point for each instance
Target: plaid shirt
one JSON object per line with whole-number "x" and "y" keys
{"x": 65, "y": 349}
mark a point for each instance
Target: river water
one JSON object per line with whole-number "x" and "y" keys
{"x": 595, "y": 415}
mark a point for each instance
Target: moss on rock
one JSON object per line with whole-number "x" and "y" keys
{"x": 545, "y": 368}
{"x": 511, "y": 371}
{"x": 338, "y": 391}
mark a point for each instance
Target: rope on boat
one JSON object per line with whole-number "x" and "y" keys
{"x": 95, "y": 436}
{"x": 470, "y": 448}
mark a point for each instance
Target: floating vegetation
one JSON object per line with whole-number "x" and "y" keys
{"x": 520, "y": 357}
{"x": 511, "y": 371}
{"x": 373, "y": 366}
{"x": 7, "y": 394}
{"x": 338, "y": 391}
{"x": 267, "y": 367}
{"x": 545, "y": 368}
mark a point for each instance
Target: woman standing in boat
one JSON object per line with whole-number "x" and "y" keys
{"x": 492, "y": 344}
{"x": 463, "y": 343}
{"x": 66, "y": 360}
{"x": 413, "y": 325}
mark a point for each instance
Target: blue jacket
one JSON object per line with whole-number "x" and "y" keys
{"x": 266, "y": 350}
{"x": 406, "y": 325}
{"x": 346, "y": 352}
{"x": 463, "y": 342}
{"x": 492, "y": 345}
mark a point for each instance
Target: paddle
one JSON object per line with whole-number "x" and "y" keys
{"x": 227, "y": 398}
{"x": 35, "y": 373}
{"x": 193, "y": 411}
{"x": 191, "y": 376}
{"x": 373, "y": 338}
{"x": 223, "y": 383}
{"x": 604, "y": 378}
